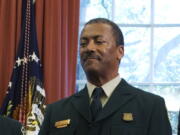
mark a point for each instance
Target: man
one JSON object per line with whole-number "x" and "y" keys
{"x": 107, "y": 105}
{"x": 9, "y": 126}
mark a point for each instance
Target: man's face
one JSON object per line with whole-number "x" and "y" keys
{"x": 98, "y": 50}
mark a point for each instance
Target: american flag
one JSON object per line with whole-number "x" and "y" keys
{"x": 25, "y": 98}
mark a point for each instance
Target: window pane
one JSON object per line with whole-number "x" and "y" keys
{"x": 135, "y": 64}
{"x": 167, "y": 55}
{"x": 95, "y": 8}
{"x": 173, "y": 117}
{"x": 167, "y": 12}
{"x": 144, "y": 87}
{"x": 80, "y": 84}
{"x": 132, "y": 11}
{"x": 80, "y": 76}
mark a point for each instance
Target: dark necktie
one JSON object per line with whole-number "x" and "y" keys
{"x": 96, "y": 105}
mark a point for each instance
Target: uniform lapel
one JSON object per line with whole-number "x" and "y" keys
{"x": 81, "y": 103}
{"x": 121, "y": 95}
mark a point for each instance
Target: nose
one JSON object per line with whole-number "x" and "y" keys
{"x": 91, "y": 46}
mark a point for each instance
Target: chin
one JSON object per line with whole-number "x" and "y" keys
{"x": 91, "y": 69}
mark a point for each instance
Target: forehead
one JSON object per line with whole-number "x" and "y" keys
{"x": 96, "y": 29}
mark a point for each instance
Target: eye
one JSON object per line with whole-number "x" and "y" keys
{"x": 99, "y": 42}
{"x": 83, "y": 43}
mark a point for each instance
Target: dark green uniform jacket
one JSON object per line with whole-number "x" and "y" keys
{"x": 9, "y": 126}
{"x": 179, "y": 124}
{"x": 129, "y": 111}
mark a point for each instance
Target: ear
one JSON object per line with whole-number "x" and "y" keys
{"x": 120, "y": 52}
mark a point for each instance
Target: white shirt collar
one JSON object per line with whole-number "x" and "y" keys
{"x": 107, "y": 87}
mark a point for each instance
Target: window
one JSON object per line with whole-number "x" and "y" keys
{"x": 152, "y": 45}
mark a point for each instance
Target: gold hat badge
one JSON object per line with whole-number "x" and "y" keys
{"x": 128, "y": 117}
{"x": 62, "y": 123}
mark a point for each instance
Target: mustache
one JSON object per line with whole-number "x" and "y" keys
{"x": 89, "y": 55}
